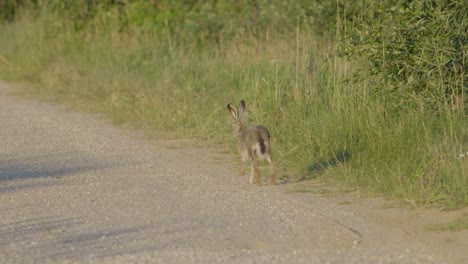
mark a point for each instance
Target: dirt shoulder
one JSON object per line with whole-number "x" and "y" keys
{"x": 74, "y": 188}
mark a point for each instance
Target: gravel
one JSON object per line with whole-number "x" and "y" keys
{"x": 75, "y": 189}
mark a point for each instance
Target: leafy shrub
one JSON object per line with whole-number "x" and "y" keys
{"x": 9, "y": 8}
{"x": 203, "y": 20}
{"x": 415, "y": 52}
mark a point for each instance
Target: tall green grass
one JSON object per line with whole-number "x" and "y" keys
{"x": 322, "y": 126}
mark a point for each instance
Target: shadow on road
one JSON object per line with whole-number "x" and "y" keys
{"x": 55, "y": 238}
{"x": 16, "y": 173}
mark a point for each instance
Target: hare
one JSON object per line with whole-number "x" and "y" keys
{"x": 252, "y": 143}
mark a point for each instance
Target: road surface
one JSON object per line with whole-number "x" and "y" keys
{"x": 75, "y": 189}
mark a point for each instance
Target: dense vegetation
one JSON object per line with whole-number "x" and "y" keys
{"x": 371, "y": 94}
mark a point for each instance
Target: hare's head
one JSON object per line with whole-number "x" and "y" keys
{"x": 239, "y": 118}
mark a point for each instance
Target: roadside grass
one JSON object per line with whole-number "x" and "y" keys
{"x": 458, "y": 224}
{"x": 322, "y": 126}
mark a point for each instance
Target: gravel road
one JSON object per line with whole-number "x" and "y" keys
{"x": 75, "y": 189}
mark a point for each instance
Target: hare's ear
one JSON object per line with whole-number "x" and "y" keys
{"x": 241, "y": 110}
{"x": 232, "y": 110}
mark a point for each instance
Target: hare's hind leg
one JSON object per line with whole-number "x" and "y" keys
{"x": 254, "y": 173}
{"x": 242, "y": 168}
{"x": 272, "y": 171}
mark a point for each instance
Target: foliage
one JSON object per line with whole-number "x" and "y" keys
{"x": 414, "y": 52}
{"x": 204, "y": 20}
{"x": 9, "y": 8}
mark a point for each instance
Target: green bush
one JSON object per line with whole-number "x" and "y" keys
{"x": 9, "y": 8}
{"x": 414, "y": 52}
{"x": 204, "y": 20}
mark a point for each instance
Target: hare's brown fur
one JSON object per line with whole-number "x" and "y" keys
{"x": 253, "y": 143}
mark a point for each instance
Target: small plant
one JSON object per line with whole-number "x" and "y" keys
{"x": 458, "y": 224}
